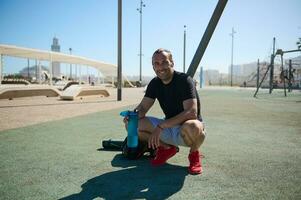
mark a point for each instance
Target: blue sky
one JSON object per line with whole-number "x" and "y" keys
{"x": 89, "y": 27}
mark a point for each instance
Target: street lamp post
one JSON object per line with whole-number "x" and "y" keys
{"x": 70, "y": 50}
{"x": 119, "y": 52}
{"x": 28, "y": 69}
{"x": 232, "y": 35}
{"x": 1, "y": 65}
{"x": 184, "y": 49}
{"x": 140, "y": 54}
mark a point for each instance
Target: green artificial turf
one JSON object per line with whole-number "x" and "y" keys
{"x": 252, "y": 151}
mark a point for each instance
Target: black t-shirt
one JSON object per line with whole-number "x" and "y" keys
{"x": 172, "y": 95}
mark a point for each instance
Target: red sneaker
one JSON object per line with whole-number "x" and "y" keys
{"x": 195, "y": 161}
{"x": 163, "y": 154}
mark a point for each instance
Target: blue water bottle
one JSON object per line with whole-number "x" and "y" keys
{"x": 132, "y": 137}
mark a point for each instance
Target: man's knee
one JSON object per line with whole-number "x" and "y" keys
{"x": 144, "y": 127}
{"x": 144, "y": 124}
{"x": 192, "y": 131}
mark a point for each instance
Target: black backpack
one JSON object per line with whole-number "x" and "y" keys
{"x": 130, "y": 153}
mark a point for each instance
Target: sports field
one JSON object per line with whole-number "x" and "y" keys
{"x": 252, "y": 151}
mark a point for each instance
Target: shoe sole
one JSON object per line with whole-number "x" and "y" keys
{"x": 195, "y": 173}
{"x": 160, "y": 164}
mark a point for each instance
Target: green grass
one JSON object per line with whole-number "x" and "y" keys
{"x": 252, "y": 151}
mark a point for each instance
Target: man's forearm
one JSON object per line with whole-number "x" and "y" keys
{"x": 179, "y": 119}
{"x": 190, "y": 112}
{"x": 141, "y": 111}
{"x": 144, "y": 106}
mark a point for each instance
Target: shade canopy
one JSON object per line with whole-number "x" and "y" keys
{"x": 10, "y": 50}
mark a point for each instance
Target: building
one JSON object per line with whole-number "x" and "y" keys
{"x": 237, "y": 70}
{"x": 212, "y": 77}
{"x": 248, "y": 69}
{"x": 56, "y": 66}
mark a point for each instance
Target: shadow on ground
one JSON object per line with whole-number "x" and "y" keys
{"x": 137, "y": 179}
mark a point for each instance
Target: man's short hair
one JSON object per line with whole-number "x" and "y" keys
{"x": 161, "y": 50}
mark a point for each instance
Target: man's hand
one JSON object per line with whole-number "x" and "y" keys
{"x": 154, "y": 139}
{"x": 126, "y": 122}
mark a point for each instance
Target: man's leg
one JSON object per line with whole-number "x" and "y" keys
{"x": 193, "y": 135}
{"x": 145, "y": 128}
{"x": 164, "y": 151}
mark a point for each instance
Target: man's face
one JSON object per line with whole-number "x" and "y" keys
{"x": 163, "y": 67}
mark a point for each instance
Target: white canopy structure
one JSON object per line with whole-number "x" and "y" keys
{"x": 9, "y": 50}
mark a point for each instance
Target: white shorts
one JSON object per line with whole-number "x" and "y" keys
{"x": 170, "y": 136}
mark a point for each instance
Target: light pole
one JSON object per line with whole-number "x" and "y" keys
{"x": 140, "y": 54}
{"x": 232, "y": 35}
{"x": 184, "y": 49}
{"x": 119, "y": 52}
{"x": 28, "y": 69}
{"x": 1, "y": 70}
{"x": 70, "y": 50}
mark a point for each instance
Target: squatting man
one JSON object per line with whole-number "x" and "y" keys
{"x": 179, "y": 101}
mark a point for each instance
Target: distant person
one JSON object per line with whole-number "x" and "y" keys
{"x": 182, "y": 125}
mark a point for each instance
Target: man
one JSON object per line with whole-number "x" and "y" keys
{"x": 179, "y": 101}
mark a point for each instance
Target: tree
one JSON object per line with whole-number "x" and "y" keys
{"x": 298, "y": 43}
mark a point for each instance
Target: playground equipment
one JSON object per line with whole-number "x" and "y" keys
{"x": 271, "y": 69}
{"x": 253, "y": 79}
